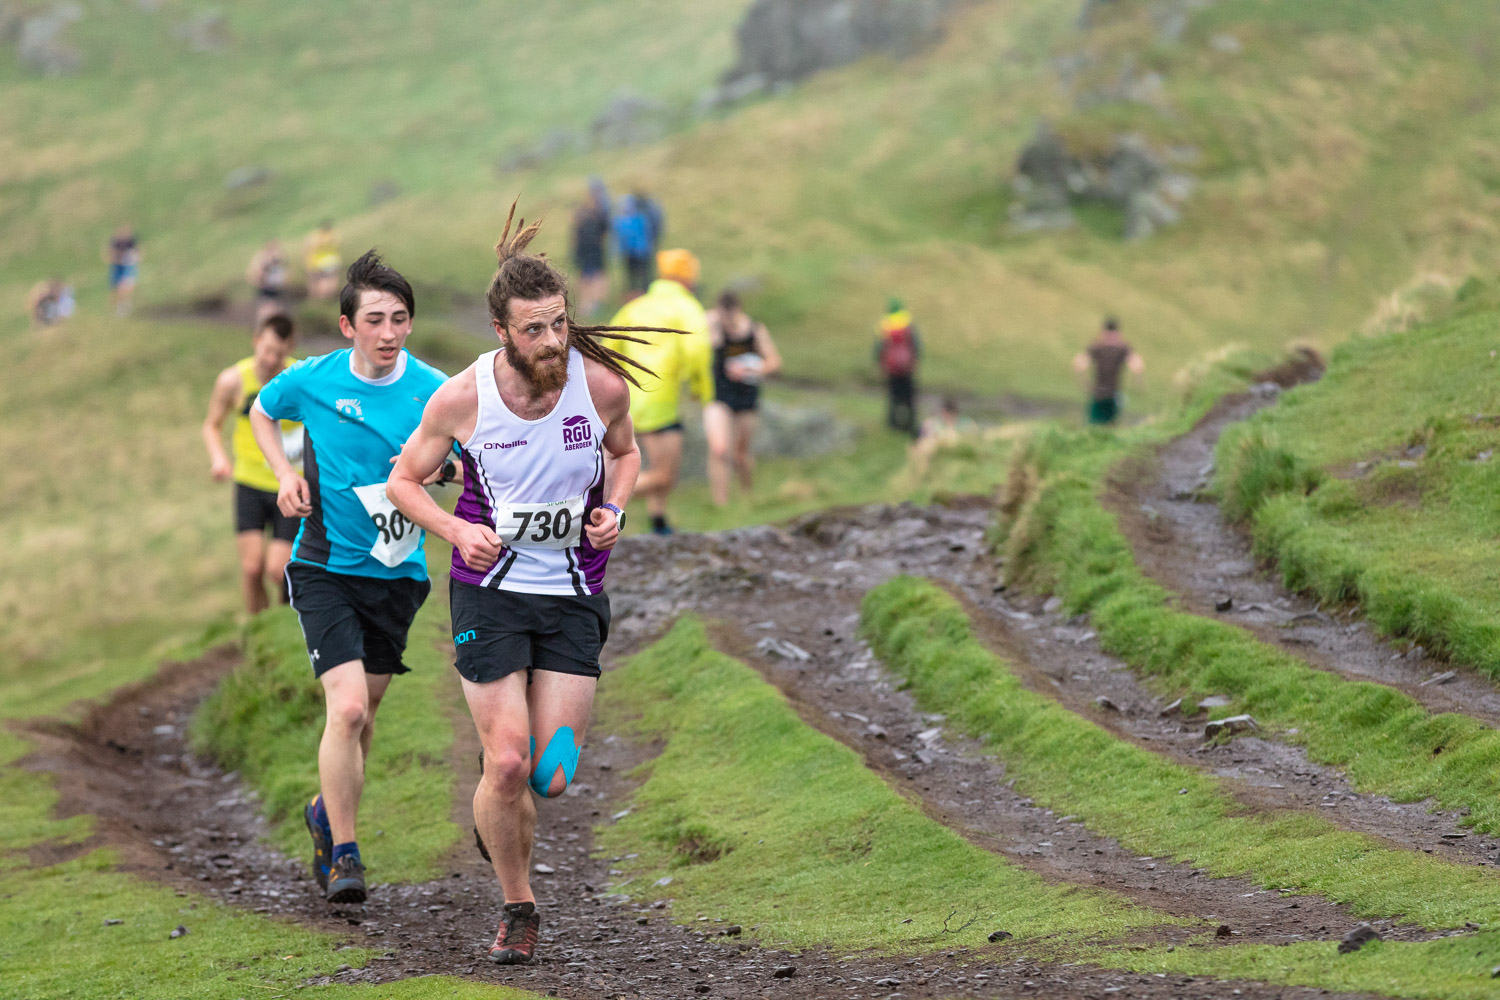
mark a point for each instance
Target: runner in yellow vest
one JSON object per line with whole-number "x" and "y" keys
{"x": 655, "y": 408}
{"x": 254, "y": 484}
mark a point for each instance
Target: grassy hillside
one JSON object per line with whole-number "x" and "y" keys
{"x": 879, "y": 178}
{"x": 1377, "y": 484}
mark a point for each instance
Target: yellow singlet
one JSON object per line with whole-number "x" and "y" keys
{"x": 250, "y": 466}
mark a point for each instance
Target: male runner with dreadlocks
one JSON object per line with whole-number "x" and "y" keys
{"x": 550, "y": 460}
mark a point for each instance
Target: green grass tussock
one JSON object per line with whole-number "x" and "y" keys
{"x": 1255, "y": 468}
{"x": 1400, "y": 432}
{"x": 53, "y": 942}
{"x": 1455, "y": 968}
{"x": 266, "y": 719}
{"x": 1151, "y": 805}
{"x": 761, "y": 820}
{"x": 1061, "y": 539}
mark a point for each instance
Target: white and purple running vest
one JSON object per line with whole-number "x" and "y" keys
{"x": 514, "y": 463}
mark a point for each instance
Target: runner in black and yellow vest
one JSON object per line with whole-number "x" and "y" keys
{"x": 254, "y": 484}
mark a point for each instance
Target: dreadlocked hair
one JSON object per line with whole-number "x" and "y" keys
{"x": 521, "y": 275}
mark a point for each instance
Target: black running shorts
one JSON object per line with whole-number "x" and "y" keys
{"x": 498, "y": 632}
{"x": 254, "y": 509}
{"x": 347, "y": 617}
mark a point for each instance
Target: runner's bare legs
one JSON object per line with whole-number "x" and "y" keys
{"x": 352, "y": 697}
{"x": 663, "y": 458}
{"x": 744, "y": 458}
{"x": 506, "y": 715}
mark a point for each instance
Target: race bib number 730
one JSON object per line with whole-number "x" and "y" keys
{"x": 395, "y": 536}
{"x": 556, "y": 525}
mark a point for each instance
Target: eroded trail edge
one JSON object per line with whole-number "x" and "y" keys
{"x": 1180, "y": 539}
{"x": 181, "y": 820}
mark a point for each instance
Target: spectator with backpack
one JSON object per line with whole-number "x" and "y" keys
{"x": 637, "y": 228}
{"x": 898, "y": 351}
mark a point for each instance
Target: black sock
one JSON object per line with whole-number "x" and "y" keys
{"x": 658, "y": 522}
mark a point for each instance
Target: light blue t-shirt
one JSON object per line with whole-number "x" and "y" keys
{"x": 354, "y": 426}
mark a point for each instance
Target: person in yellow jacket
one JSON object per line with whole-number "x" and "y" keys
{"x": 676, "y": 359}
{"x": 255, "y": 485}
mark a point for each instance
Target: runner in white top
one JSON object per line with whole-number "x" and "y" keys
{"x": 533, "y": 481}
{"x": 550, "y": 459}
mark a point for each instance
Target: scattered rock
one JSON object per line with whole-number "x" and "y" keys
{"x": 1223, "y": 931}
{"x": 1358, "y": 938}
{"x": 382, "y": 192}
{"x": 1127, "y": 174}
{"x": 1172, "y": 709}
{"x": 1214, "y": 701}
{"x": 1224, "y": 604}
{"x": 888, "y": 981}
{"x": 783, "y": 41}
{"x": 733, "y": 930}
{"x": 1442, "y": 678}
{"x": 206, "y": 31}
{"x": 542, "y": 869}
{"x": 1226, "y": 44}
{"x": 554, "y": 143}
{"x": 875, "y": 731}
{"x": 40, "y": 43}
{"x": 241, "y": 178}
{"x": 1234, "y": 724}
{"x": 772, "y": 646}
{"x": 784, "y": 972}
{"x": 112, "y": 922}
{"x": 1054, "y": 604}
{"x": 1103, "y": 702}
{"x": 1000, "y": 936}
{"x": 629, "y": 119}
{"x": 178, "y": 931}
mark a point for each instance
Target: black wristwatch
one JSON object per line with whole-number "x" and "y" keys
{"x": 619, "y": 515}
{"x": 450, "y": 473}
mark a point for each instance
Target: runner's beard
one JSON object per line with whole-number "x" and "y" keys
{"x": 541, "y": 378}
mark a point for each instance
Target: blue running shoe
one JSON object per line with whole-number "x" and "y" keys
{"x": 322, "y": 845}
{"x": 346, "y": 881}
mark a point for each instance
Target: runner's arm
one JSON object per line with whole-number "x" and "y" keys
{"x": 226, "y": 388}
{"x": 292, "y": 494}
{"x": 622, "y": 456}
{"x": 449, "y": 412}
{"x": 766, "y": 348}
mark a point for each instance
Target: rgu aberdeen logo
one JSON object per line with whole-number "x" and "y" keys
{"x": 577, "y": 433}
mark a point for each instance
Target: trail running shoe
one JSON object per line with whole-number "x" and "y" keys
{"x": 516, "y": 939}
{"x": 322, "y": 846}
{"x": 346, "y": 881}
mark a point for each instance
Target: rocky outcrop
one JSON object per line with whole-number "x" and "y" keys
{"x": 41, "y": 42}
{"x": 1128, "y": 174}
{"x": 782, "y": 41}
{"x": 1107, "y": 65}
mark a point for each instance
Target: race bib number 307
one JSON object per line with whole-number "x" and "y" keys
{"x": 395, "y": 536}
{"x": 541, "y": 525}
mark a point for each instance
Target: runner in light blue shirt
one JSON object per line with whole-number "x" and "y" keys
{"x": 358, "y": 574}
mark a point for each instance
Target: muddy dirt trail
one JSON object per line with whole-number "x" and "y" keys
{"x": 178, "y": 819}
{"x": 1181, "y": 540}
{"x": 785, "y": 600}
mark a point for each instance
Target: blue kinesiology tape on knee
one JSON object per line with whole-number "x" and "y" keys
{"x": 561, "y": 752}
